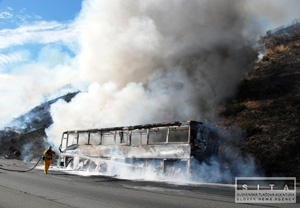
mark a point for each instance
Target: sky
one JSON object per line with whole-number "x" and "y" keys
{"x": 134, "y": 61}
{"x": 30, "y": 24}
{"x": 18, "y": 12}
{"x": 32, "y": 31}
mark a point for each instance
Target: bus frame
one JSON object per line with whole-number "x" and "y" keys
{"x": 137, "y": 146}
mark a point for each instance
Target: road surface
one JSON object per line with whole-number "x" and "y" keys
{"x": 58, "y": 189}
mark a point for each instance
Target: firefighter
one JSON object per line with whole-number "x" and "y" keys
{"x": 48, "y": 153}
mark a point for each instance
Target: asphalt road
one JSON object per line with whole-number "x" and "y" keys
{"x": 58, "y": 189}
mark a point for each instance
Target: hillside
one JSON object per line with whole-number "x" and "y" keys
{"x": 267, "y": 105}
{"x": 24, "y": 137}
{"x": 38, "y": 117}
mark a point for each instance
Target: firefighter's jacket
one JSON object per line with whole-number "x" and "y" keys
{"x": 48, "y": 154}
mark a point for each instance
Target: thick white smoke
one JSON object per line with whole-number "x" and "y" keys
{"x": 155, "y": 61}
{"x": 129, "y": 36}
{"x": 35, "y": 82}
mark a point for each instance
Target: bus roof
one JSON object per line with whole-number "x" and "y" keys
{"x": 145, "y": 126}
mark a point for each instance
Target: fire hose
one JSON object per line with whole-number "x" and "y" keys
{"x": 23, "y": 171}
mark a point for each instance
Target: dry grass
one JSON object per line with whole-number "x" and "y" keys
{"x": 297, "y": 44}
{"x": 270, "y": 51}
{"x": 252, "y": 105}
{"x": 281, "y": 48}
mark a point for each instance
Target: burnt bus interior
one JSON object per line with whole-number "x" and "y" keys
{"x": 162, "y": 144}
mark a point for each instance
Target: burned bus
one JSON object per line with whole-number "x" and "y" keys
{"x": 161, "y": 145}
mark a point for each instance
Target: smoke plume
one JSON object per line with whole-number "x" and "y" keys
{"x": 155, "y": 61}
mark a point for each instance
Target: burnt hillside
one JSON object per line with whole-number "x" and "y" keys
{"x": 38, "y": 117}
{"x": 24, "y": 136}
{"x": 267, "y": 105}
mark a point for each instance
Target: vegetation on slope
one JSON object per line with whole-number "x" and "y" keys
{"x": 267, "y": 105}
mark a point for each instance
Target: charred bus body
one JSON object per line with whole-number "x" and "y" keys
{"x": 160, "y": 144}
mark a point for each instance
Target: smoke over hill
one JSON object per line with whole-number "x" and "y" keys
{"x": 153, "y": 61}
{"x": 176, "y": 59}
{"x": 156, "y": 61}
